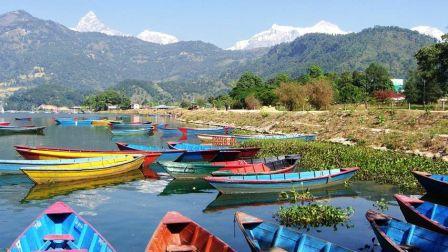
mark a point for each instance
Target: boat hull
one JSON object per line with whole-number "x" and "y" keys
{"x": 5, "y": 130}
{"x": 181, "y": 170}
{"x": 432, "y": 186}
{"x": 45, "y": 176}
{"x": 230, "y": 185}
{"x": 166, "y": 155}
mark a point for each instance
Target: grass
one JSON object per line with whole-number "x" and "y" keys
{"x": 384, "y": 167}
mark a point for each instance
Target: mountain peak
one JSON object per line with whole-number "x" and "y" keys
{"x": 157, "y": 37}
{"x": 429, "y": 31}
{"x": 91, "y": 23}
{"x": 15, "y": 16}
{"x": 279, "y": 34}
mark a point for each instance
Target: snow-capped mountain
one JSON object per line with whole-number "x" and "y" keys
{"x": 430, "y": 31}
{"x": 91, "y": 23}
{"x": 278, "y": 34}
{"x": 157, "y": 37}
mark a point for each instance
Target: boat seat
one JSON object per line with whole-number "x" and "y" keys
{"x": 181, "y": 248}
{"x": 277, "y": 249}
{"x": 59, "y": 237}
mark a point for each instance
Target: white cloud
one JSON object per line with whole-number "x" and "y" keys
{"x": 430, "y": 31}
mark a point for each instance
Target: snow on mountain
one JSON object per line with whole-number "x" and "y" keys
{"x": 91, "y": 23}
{"x": 157, "y": 37}
{"x": 430, "y": 31}
{"x": 278, "y": 34}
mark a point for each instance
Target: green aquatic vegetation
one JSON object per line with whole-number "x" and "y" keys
{"x": 295, "y": 196}
{"x": 313, "y": 215}
{"x": 381, "y": 205}
{"x": 384, "y": 167}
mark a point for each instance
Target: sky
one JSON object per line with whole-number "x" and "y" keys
{"x": 224, "y": 22}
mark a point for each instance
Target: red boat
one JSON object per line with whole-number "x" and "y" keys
{"x": 4, "y": 123}
{"x": 423, "y": 213}
{"x": 150, "y": 156}
{"x": 179, "y": 233}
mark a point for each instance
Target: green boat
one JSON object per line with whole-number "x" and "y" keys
{"x": 185, "y": 170}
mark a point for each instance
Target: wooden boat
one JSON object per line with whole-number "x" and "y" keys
{"x": 202, "y": 169}
{"x": 48, "y": 153}
{"x": 132, "y": 125}
{"x": 5, "y": 130}
{"x": 127, "y": 132}
{"x": 60, "y": 228}
{"x": 48, "y": 191}
{"x": 23, "y": 118}
{"x": 13, "y": 166}
{"x": 4, "y": 123}
{"x": 435, "y": 184}
{"x": 215, "y": 130}
{"x": 263, "y": 236}
{"x": 186, "y": 156}
{"x": 281, "y": 182}
{"x": 103, "y": 122}
{"x": 73, "y": 121}
{"x": 424, "y": 214}
{"x": 219, "y": 139}
{"x": 176, "y": 232}
{"x": 166, "y": 154}
{"x": 395, "y": 235}
{"x": 83, "y": 171}
{"x": 249, "y": 152}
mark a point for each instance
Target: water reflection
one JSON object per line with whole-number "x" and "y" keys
{"x": 186, "y": 186}
{"x": 229, "y": 201}
{"x": 48, "y": 191}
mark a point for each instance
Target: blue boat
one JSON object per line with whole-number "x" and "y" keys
{"x": 132, "y": 125}
{"x": 14, "y": 166}
{"x": 167, "y": 154}
{"x": 215, "y": 130}
{"x": 73, "y": 122}
{"x": 423, "y": 213}
{"x": 281, "y": 182}
{"x": 263, "y": 236}
{"x": 395, "y": 235}
{"x": 248, "y": 152}
{"x": 59, "y": 228}
{"x": 127, "y": 132}
{"x": 434, "y": 184}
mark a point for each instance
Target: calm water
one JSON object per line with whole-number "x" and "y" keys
{"x": 127, "y": 210}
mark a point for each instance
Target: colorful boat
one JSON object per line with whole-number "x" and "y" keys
{"x": 127, "y": 132}
{"x": 48, "y": 153}
{"x": 166, "y": 154}
{"x": 281, "y": 182}
{"x": 263, "y": 236}
{"x": 84, "y": 171}
{"x": 103, "y": 122}
{"x": 248, "y": 152}
{"x": 4, "y": 123}
{"x": 435, "y": 184}
{"x": 5, "y": 130}
{"x": 424, "y": 214}
{"x": 60, "y": 228}
{"x": 68, "y": 121}
{"x": 176, "y": 232}
{"x": 395, "y": 235}
{"x": 23, "y": 118}
{"x": 187, "y": 156}
{"x": 215, "y": 130}
{"x": 13, "y": 166}
{"x": 132, "y": 125}
{"x": 224, "y": 140}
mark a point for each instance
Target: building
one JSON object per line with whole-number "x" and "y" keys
{"x": 112, "y": 107}
{"x": 398, "y": 85}
{"x": 136, "y": 106}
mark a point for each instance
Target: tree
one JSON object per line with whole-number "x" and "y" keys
{"x": 291, "y": 95}
{"x": 102, "y": 100}
{"x": 320, "y": 93}
{"x": 315, "y": 71}
{"x": 246, "y": 85}
{"x": 348, "y": 91}
{"x": 252, "y": 102}
{"x": 377, "y": 78}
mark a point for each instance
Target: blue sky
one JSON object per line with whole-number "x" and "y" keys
{"x": 223, "y": 22}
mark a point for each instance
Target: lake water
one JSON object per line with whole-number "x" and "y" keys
{"x": 126, "y": 210}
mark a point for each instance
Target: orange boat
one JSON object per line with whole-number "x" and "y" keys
{"x": 178, "y": 233}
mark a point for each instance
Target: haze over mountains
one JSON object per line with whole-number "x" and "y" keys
{"x": 37, "y": 52}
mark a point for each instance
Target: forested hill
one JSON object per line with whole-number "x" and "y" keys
{"x": 392, "y": 47}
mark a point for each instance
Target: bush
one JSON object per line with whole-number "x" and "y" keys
{"x": 252, "y": 102}
{"x": 320, "y": 93}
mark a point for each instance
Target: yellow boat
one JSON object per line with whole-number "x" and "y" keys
{"x": 82, "y": 171}
{"x": 103, "y": 122}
